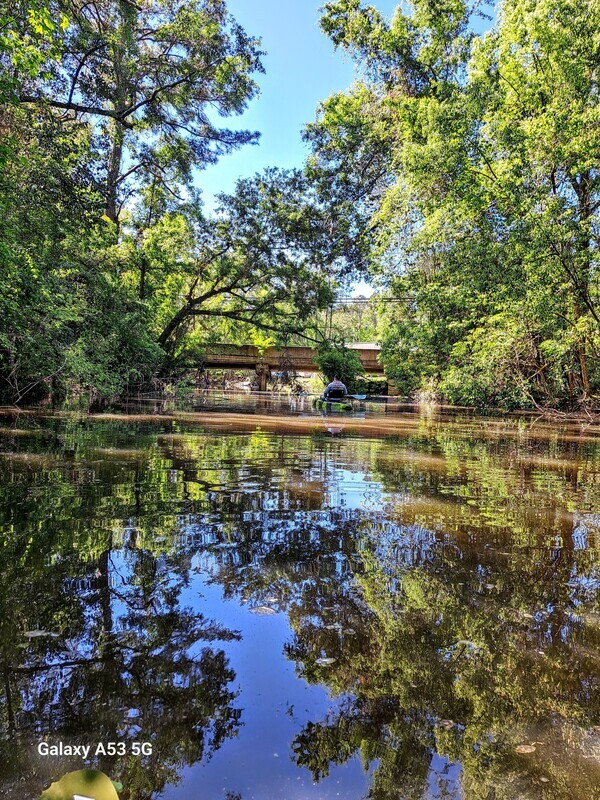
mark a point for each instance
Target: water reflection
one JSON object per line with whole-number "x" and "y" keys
{"x": 99, "y": 648}
{"x": 427, "y": 598}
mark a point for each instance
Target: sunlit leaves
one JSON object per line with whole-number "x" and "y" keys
{"x": 485, "y": 207}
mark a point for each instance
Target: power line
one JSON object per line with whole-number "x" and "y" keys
{"x": 347, "y": 301}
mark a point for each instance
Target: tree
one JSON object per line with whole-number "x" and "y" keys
{"x": 150, "y": 77}
{"x": 113, "y": 106}
{"x": 485, "y": 209}
{"x": 535, "y": 80}
{"x": 334, "y": 359}
{"x": 356, "y": 319}
{"x": 262, "y": 261}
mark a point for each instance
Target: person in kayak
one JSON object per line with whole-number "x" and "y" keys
{"x": 335, "y": 390}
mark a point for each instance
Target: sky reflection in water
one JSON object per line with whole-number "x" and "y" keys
{"x": 302, "y": 607}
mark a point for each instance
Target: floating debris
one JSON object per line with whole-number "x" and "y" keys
{"x": 262, "y": 610}
{"x": 39, "y": 634}
{"x": 325, "y": 662}
{"x": 524, "y": 749}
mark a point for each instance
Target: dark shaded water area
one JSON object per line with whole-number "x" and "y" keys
{"x": 298, "y": 607}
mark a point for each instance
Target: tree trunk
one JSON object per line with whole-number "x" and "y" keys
{"x": 113, "y": 173}
{"x": 172, "y": 326}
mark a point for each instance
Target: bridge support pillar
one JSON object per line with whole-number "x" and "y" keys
{"x": 263, "y": 373}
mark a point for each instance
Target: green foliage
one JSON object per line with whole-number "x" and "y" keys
{"x": 66, "y": 318}
{"x": 256, "y": 266}
{"x": 29, "y": 39}
{"x": 335, "y": 359}
{"x": 483, "y": 367}
{"x": 370, "y": 386}
{"x": 111, "y": 274}
{"x": 460, "y": 173}
{"x": 483, "y": 213}
{"x": 357, "y": 320}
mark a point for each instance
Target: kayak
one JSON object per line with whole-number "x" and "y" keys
{"x": 334, "y": 405}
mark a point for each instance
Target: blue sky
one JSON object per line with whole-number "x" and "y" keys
{"x": 302, "y": 69}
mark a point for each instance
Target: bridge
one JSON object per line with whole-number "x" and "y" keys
{"x": 275, "y": 359}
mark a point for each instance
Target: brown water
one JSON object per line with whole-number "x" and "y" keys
{"x": 294, "y": 606}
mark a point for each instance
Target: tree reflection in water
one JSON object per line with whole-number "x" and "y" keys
{"x": 125, "y": 662}
{"x": 444, "y": 572}
{"x": 440, "y": 648}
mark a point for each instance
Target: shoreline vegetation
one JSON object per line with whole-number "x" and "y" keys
{"x": 459, "y": 176}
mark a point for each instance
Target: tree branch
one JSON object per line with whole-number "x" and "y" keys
{"x": 77, "y": 107}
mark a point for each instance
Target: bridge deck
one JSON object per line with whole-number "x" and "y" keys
{"x": 301, "y": 359}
